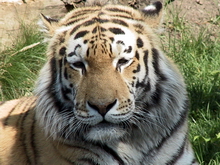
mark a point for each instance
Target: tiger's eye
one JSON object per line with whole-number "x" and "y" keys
{"x": 122, "y": 61}
{"x": 79, "y": 65}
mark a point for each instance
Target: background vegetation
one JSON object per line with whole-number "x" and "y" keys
{"x": 197, "y": 55}
{"x": 18, "y": 70}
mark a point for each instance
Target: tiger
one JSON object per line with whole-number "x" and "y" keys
{"x": 107, "y": 95}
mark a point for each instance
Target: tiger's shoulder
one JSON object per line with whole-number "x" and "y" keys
{"x": 13, "y": 113}
{"x": 12, "y": 110}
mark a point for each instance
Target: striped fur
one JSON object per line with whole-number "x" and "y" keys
{"x": 106, "y": 96}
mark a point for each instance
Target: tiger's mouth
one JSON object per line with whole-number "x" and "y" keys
{"x": 106, "y": 131}
{"x": 105, "y": 125}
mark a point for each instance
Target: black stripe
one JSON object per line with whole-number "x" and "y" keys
{"x": 110, "y": 48}
{"x": 145, "y": 87}
{"x": 137, "y": 55}
{"x": 84, "y": 11}
{"x": 112, "y": 153}
{"x": 94, "y": 30}
{"x": 120, "y": 42}
{"x": 178, "y": 154}
{"x": 32, "y": 139}
{"x": 155, "y": 62}
{"x": 94, "y": 46}
{"x": 60, "y": 62}
{"x": 92, "y": 42}
{"x": 116, "y": 31}
{"x": 64, "y": 61}
{"x": 23, "y": 127}
{"x": 120, "y": 22}
{"x": 28, "y": 139}
{"x": 86, "y": 23}
{"x": 145, "y": 59}
{"x": 140, "y": 43}
{"x": 75, "y": 20}
{"x": 157, "y": 95}
{"x": 112, "y": 39}
{"x": 87, "y": 52}
{"x": 137, "y": 69}
{"x": 101, "y": 20}
{"x": 81, "y": 34}
{"x": 117, "y": 10}
{"x": 180, "y": 122}
{"x": 89, "y": 22}
{"x": 65, "y": 92}
{"x": 77, "y": 46}
{"x": 75, "y": 29}
{"x": 128, "y": 50}
{"x": 8, "y": 117}
{"x": 71, "y": 54}
{"x": 126, "y": 17}
{"x": 102, "y": 29}
{"x": 81, "y": 16}
{"x": 65, "y": 74}
{"x": 62, "y": 51}
{"x": 23, "y": 109}
{"x": 24, "y": 136}
{"x": 52, "y": 87}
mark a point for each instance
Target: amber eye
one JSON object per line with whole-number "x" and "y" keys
{"x": 79, "y": 65}
{"x": 122, "y": 61}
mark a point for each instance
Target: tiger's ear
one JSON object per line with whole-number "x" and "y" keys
{"x": 154, "y": 14}
{"x": 48, "y": 25}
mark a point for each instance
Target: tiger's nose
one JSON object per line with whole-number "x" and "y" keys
{"x": 102, "y": 108}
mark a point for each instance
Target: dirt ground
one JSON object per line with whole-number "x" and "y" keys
{"x": 197, "y": 13}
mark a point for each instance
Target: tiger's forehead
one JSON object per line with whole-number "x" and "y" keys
{"x": 102, "y": 34}
{"x": 104, "y": 31}
{"x": 106, "y": 41}
{"x": 110, "y": 13}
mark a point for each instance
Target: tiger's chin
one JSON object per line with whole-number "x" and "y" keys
{"x": 105, "y": 132}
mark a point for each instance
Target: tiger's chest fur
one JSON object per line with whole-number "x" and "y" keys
{"x": 107, "y": 95}
{"x": 24, "y": 142}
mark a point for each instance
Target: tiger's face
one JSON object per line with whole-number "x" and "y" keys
{"x": 100, "y": 74}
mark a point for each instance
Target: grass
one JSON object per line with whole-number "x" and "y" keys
{"x": 197, "y": 55}
{"x": 18, "y": 70}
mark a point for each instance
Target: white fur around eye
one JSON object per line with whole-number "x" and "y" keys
{"x": 73, "y": 59}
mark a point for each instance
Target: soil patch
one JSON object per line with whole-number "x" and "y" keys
{"x": 197, "y": 14}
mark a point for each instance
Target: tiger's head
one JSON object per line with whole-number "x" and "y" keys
{"x": 105, "y": 75}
